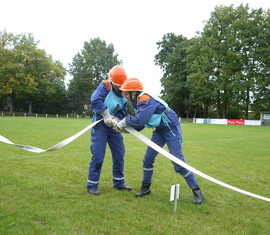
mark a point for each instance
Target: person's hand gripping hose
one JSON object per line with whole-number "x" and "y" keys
{"x": 120, "y": 126}
{"x": 109, "y": 120}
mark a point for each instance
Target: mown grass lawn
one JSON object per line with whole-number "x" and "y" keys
{"x": 46, "y": 193}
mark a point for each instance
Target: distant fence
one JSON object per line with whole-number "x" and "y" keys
{"x": 21, "y": 114}
{"x": 228, "y": 121}
{"x": 188, "y": 120}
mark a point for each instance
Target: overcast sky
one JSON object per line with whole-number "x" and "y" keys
{"x": 133, "y": 27}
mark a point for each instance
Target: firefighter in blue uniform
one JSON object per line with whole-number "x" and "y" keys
{"x": 153, "y": 112}
{"x": 108, "y": 102}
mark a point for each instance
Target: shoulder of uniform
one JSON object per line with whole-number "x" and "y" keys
{"x": 144, "y": 97}
{"x": 107, "y": 83}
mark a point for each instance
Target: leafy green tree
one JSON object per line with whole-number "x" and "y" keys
{"x": 43, "y": 78}
{"x": 88, "y": 69}
{"x": 52, "y": 94}
{"x": 253, "y": 31}
{"x": 28, "y": 74}
{"x": 262, "y": 94}
{"x": 217, "y": 41}
{"x": 8, "y": 68}
{"x": 172, "y": 59}
{"x": 232, "y": 61}
{"x": 199, "y": 79}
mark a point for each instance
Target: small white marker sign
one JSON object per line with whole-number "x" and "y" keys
{"x": 175, "y": 192}
{"x": 175, "y": 189}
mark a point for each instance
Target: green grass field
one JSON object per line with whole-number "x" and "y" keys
{"x": 46, "y": 193}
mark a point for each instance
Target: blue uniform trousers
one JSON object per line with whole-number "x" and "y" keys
{"x": 100, "y": 136}
{"x": 173, "y": 139}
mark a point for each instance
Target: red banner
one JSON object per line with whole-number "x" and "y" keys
{"x": 236, "y": 122}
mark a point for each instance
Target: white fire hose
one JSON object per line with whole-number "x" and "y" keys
{"x": 55, "y": 147}
{"x": 147, "y": 142}
{"x": 185, "y": 165}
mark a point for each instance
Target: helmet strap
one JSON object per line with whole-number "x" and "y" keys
{"x": 112, "y": 85}
{"x": 130, "y": 96}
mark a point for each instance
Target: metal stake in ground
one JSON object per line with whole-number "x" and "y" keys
{"x": 175, "y": 189}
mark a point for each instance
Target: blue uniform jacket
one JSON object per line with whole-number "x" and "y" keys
{"x": 98, "y": 98}
{"x": 147, "y": 106}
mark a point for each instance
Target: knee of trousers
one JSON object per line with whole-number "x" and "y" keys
{"x": 181, "y": 170}
{"x": 148, "y": 162}
{"x": 96, "y": 163}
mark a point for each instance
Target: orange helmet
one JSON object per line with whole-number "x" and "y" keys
{"x": 132, "y": 84}
{"x": 117, "y": 75}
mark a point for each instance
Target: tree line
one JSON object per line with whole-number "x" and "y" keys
{"x": 31, "y": 81}
{"x": 29, "y": 78}
{"x": 222, "y": 72}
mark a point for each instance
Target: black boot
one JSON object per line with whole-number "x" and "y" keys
{"x": 124, "y": 187}
{"x": 198, "y": 197}
{"x": 93, "y": 191}
{"x": 145, "y": 189}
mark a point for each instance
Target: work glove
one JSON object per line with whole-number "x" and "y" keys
{"x": 109, "y": 120}
{"x": 120, "y": 126}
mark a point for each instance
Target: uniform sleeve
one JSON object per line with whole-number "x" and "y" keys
{"x": 145, "y": 111}
{"x": 98, "y": 98}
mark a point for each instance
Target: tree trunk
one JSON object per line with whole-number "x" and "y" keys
{"x": 225, "y": 104}
{"x": 187, "y": 111}
{"x": 225, "y": 109}
{"x": 11, "y": 104}
{"x": 195, "y": 112}
{"x": 218, "y": 106}
{"x": 30, "y": 107}
{"x": 247, "y": 104}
